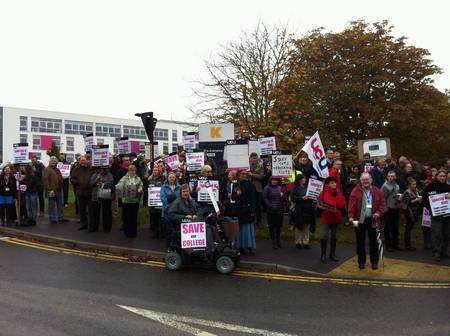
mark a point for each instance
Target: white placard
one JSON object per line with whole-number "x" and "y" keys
{"x": 189, "y": 141}
{"x": 439, "y": 205}
{"x": 154, "y": 197}
{"x": 315, "y": 187}
{"x": 376, "y": 147}
{"x": 202, "y": 190}
{"x": 173, "y": 161}
{"x": 20, "y": 153}
{"x": 88, "y": 143}
{"x": 316, "y": 154}
{"x": 282, "y": 166}
{"x": 254, "y": 147}
{"x": 215, "y": 132}
{"x": 237, "y": 157}
{"x": 64, "y": 168}
{"x": 100, "y": 156}
{"x": 267, "y": 145}
{"x": 195, "y": 161}
{"x": 193, "y": 235}
{"x": 124, "y": 146}
{"x": 426, "y": 218}
{"x": 147, "y": 150}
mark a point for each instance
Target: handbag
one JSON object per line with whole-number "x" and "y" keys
{"x": 104, "y": 193}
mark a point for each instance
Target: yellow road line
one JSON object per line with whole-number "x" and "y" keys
{"x": 238, "y": 272}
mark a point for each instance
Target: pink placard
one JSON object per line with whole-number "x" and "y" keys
{"x": 135, "y": 147}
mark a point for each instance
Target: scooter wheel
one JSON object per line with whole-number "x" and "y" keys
{"x": 225, "y": 264}
{"x": 173, "y": 261}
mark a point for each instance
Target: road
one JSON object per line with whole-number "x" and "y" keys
{"x": 48, "y": 293}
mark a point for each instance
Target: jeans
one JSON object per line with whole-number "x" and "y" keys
{"x": 56, "y": 207}
{"x": 41, "y": 201}
{"x": 31, "y": 199}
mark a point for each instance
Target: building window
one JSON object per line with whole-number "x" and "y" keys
{"x": 23, "y": 123}
{"x": 36, "y": 143}
{"x": 70, "y": 158}
{"x": 161, "y": 134}
{"x": 108, "y": 130}
{"x": 100, "y": 141}
{"x": 174, "y": 135}
{"x": 77, "y": 127}
{"x": 70, "y": 144}
{"x": 23, "y": 138}
{"x": 142, "y": 147}
{"x": 116, "y": 147}
{"x": 134, "y": 132}
{"x": 56, "y": 142}
{"x": 45, "y": 125}
{"x": 174, "y": 148}
{"x": 165, "y": 148}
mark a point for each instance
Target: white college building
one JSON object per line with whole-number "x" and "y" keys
{"x": 41, "y": 128}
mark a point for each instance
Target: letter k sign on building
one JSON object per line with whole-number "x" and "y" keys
{"x": 215, "y": 132}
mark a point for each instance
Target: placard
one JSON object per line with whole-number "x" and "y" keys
{"x": 439, "y": 205}
{"x": 173, "y": 161}
{"x": 100, "y": 156}
{"x": 193, "y": 235}
{"x": 123, "y": 146}
{"x": 368, "y": 168}
{"x": 215, "y": 132}
{"x": 380, "y": 147}
{"x": 202, "y": 190}
{"x": 147, "y": 150}
{"x": 282, "y": 166}
{"x": 315, "y": 187}
{"x": 154, "y": 197}
{"x": 189, "y": 141}
{"x": 20, "y": 153}
{"x": 254, "y": 147}
{"x": 195, "y": 161}
{"x": 237, "y": 157}
{"x": 88, "y": 142}
{"x": 64, "y": 168}
{"x": 267, "y": 145}
{"x": 426, "y": 218}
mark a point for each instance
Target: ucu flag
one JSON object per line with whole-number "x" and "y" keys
{"x": 316, "y": 154}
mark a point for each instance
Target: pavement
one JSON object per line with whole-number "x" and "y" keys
{"x": 56, "y": 294}
{"x": 399, "y": 265}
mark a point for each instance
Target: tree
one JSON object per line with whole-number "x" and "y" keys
{"x": 362, "y": 83}
{"x": 54, "y": 151}
{"x": 242, "y": 79}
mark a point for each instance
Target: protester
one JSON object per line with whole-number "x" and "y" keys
{"x": 53, "y": 188}
{"x": 8, "y": 192}
{"x": 228, "y": 196}
{"x": 304, "y": 167}
{"x": 411, "y": 200}
{"x": 391, "y": 194}
{"x": 335, "y": 173}
{"x": 330, "y": 158}
{"x": 343, "y": 171}
{"x": 407, "y": 173}
{"x": 379, "y": 173}
{"x": 156, "y": 179}
{"x": 130, "y": 190}
{"x": 302, "y": 214}
{"x": 38, "y": 168}
{"x": 257, "y": 176}
{"x": 365, "y": 208}
{"x": 272, "y": 197}
{"x": 62, "y": 159}
{"x": 31, "y": 183}
{"x": 80, "y": 179}
{"x": 332, "y": 203}
{"x": 366, "y": 164}
{"x": 440, "y": 225}
{"x": 184, "y": 207}
{"x": 103, "y": 189}
{"x": 170, "y": 189}
{"x": 246, "y": 215}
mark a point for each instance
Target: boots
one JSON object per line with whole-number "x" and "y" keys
{"x": 272, "y": 237}
{"x": 333, "y": 250}
{"x": 323, "y": 245}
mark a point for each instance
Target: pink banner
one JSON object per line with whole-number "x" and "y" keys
{"x": 46, "y": 142}
{"x": 135, "y": 148}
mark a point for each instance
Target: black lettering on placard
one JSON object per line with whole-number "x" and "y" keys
{"x": 374, "y": 147}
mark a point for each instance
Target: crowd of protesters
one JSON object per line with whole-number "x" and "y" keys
{"x": 366, "y": 195}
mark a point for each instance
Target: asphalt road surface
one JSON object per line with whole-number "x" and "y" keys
{"x": 48, "y": 293}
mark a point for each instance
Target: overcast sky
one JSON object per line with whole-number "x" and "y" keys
{"x": 116, "y": 58}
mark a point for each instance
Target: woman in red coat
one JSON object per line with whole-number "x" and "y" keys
{"x": 332, "y": 203}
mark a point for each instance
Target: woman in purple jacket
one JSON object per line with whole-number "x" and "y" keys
{"x": 272, "y": 196}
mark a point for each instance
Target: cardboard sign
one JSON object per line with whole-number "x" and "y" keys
{"x": 189, "y": 141}
{"x": 195, "y": 161}
{"x": 439, "y": 205}
{"x": 64, "y": 168}
{"x": 202, "y": 190}
{"x": 154, "y": 197}
{"x": 282, "y": 166}
{"x": 123, "y": 146}
{"x": 193, "y": 235}
{"x": 254, "y": 147}
{"x": 426, "y": 218}
{"x": 147, "y": 150}
{"x": 100, "y": 156}
{"x": 368, "y": 168}
{"x": 315, "y": 187}
{"x": 267, "y": 145}
{"x": 173, "y": 161}
{"x": 215, "y": 132}
{"x": 20, "y": 153}
{"x": 23, "y": 187}
{"x": 88, "y": 142}
{"x": 237, "y": 157}
{"x": 375, "y": 147}
{"x": 316, "y": 154}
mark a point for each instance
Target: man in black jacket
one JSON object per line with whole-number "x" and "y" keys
{"x": 38, "y": 168}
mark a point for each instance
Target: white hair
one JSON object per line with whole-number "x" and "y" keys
{"x": 365, "y": 175}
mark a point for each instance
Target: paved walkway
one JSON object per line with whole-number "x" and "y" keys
{"x": 398, "y": 265}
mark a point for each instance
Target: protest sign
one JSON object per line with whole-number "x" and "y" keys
{"x": 193, "y": 235}
{"x": 195, "y": 161}
{"x": 202, "y": 190}
{"x": 189, "y": 141}
{"x": 368, "y": 168}
{"x": 426, "y": 218}
{"x": 215, "y": 132}
{"x": 315, "y": 187}
{"x": 100, "y": 156}
{"x": 237, "y": 156}
{"x": 147, "y": 150}
{"x": 440, "y": 205}
{"x": 173, "y": 161}
{"x": 375, "y": 147}
{"x": 316, "y": 154}
{"x": 20, "y": 153}
{"x": 64, "y": 168}
{"x": 254, "y": 147}
{"x": 267, "y": 145}
{"x": 123, "y": 146}
{"x": 282, "y": 166}
{"x": 154, "y": 197}
{"x": 88, "y": 142}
